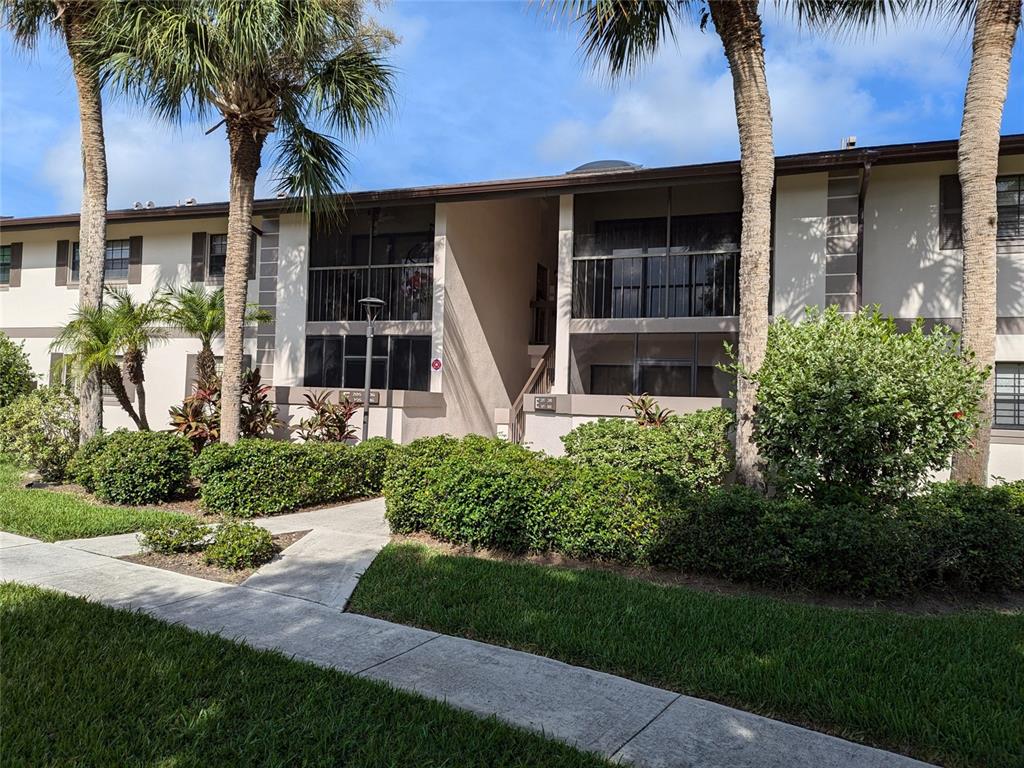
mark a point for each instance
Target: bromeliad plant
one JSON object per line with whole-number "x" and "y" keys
{"x": 329, "y": 422}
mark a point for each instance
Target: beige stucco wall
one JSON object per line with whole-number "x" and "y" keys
{"x": 801, "y": 208}
{"x": 491, "y": 249}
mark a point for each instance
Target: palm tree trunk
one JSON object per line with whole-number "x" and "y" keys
{"x": 93, "y": 219}
{"x": 246, "y": 145}
{"x": 995, "y": 30}
{"x": 206, "y": 368}
{"x": 133, "y": 371}
{"x": 739, "y": 27}
{"x": 112, "y": 378}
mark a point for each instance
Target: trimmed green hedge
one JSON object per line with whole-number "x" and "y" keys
{"x": 489, "y": 493}
{"x": 265, "y": 477}
{"x": 133, "y": 467}
{"x": 693, "y": 450}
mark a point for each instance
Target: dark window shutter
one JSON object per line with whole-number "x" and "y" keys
{"x": 199, "y": 242}
{"x": 951, "y": 209}
{"x": 252, "y": 256}
{"x": 15, "y": 280}
{"x": 246, "y": 363}
{"x": 135, "y": 260}
{"x": 61, "y": 277}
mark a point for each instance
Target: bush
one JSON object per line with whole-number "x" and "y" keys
{"x": 40, "y": 429}
{"x": 691, "y": 450}
{"x": 141, "y": 467}
{"x": 16, "y": 376}
{"x": 853, "y": 406}
{"x": 187, "y": 535}
{"x": 488, "y": 493}
{"x": 265, "y": 477}
{"x": 81, "y": 467}
{"x": 239, "y": 545}
{"x": 373, "y": 456}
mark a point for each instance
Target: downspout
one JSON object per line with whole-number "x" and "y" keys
{"x": 865, "y": 181}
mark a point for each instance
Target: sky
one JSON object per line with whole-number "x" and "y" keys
{"x": 489, "y": 90}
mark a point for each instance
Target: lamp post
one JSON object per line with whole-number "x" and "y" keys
{"x": 372, "y": 307}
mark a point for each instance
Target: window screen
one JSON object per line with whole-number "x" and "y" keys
{"x": 1009, "y": 405}
{"x": 397, "y": 362}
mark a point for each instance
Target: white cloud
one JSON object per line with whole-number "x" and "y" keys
{"x": 148, "y": 160}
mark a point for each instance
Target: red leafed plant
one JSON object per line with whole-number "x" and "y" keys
{"x": 198, "y": 417}
{"x": 329, "y": 422}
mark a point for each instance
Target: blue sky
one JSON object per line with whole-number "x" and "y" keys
{"x": 490, "y": 90}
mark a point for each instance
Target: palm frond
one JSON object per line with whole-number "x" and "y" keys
{"x": 27, "y": 20}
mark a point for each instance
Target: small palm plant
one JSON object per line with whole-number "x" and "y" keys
{"x": 91, "y": 343}
{"x": 265, "y": 67}
{"x": 139, "y": 325}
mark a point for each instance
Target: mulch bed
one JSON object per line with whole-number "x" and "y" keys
{"x": 192, "y": 563}
{"x": 928, "y": 603}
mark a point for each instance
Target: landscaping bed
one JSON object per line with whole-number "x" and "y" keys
{"x": 946, "y": 689}
{"x": 194, "y": 563}
{"x": 83, "y": 684}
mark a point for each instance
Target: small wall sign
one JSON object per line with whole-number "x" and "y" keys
{"x": 436, "y": 364}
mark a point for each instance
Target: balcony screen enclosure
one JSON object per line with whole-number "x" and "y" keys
{"x": 623, "y": 269}
{"x": 398, "y": 362}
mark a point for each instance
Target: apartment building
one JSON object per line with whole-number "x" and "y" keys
{"x": 526, "y": 307}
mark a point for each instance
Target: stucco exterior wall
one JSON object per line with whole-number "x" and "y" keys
{"x": 801, "y": 209}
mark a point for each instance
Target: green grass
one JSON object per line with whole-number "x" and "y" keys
{"x": 83, "y": 684}
{"x": 53, "y": 516}
{"x": 948, "y": 689}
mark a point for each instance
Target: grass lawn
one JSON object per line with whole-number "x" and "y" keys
{"x": 52, "y": 516}
{"x": 947, "y": 689}
{"x": 83, "y": 684}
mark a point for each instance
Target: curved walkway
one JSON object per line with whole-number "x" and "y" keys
{"x": 294, "y": 605}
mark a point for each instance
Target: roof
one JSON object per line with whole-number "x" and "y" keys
{"x": 601, "y": 180}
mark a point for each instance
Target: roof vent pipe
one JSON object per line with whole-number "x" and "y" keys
{"x": 137, "y": 205}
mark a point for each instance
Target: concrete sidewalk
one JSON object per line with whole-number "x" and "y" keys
{"x": 293, "y": 605}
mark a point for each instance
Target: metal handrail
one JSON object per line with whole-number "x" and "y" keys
{"x": 517, "y": 416}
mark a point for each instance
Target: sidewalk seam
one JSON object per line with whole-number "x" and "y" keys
{"x": 407, "y": 650}
{"x": 646, "y": 725}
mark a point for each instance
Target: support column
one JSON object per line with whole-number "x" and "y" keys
{"x": 437, "y": 311}
{"x": 563, "y": 308}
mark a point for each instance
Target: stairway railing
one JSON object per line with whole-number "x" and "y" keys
{"x": 537, "y": 383}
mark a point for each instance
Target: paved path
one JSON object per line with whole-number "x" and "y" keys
{"x": 293, "y": 605}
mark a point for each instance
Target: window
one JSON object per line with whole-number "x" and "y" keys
{"x": 217, "y": 258}
{"x": 5, "y": 265}
{"x": 115, "y": 260}
{"x": 1010, "y": 208}
{"x": 1009, "y": 405}
{"x": 397, "y": 362}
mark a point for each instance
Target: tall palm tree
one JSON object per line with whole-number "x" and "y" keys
{"x": 622, "y": 34}
{"x": 91, "y": 343}
{"x": 199, "y": 312}
{"x": 139, "y": 325}
{"x": 264, "y": 66}
{"x": 74, "y": 21}
{"x": 995, "y": 31}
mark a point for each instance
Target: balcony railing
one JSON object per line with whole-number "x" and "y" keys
{"x": 634, "y": 284}
{"x": 407, "y": 291}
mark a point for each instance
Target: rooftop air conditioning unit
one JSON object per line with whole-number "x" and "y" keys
{"x": 190, "y": 201}
{"x": 848, "y": 142}
{"x": 137, "y": 205}
{"x": 150, "y": 204}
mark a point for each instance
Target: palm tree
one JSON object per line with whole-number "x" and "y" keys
{"x": 73, "y": 20}
{"x": 273, "y": 66}
{"x": 139, "y": 325}
{"x": 995, "y": 31}
{"x": 199, "y": 312}
{"x": 92, "y": 342}
{"x": 622, "y": 34}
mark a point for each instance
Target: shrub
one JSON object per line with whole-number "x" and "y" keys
{"x": 81, "y": 468}
{"x": 691, "y": 450}
{"x": 373, "y": 456}
{"x": 239, "y": 545}
{"x": 16, "y": 376}
{"x": 186, "y": 535}
{"x": 40, "y": 429}
{"x": 407, "y": 481}
{"x": 264, "y": 477}
{"x": 198, "y": 417}
{"x": 855, "y": 406}
{"x": 329, "y": 422}
{"x": 141, "y": 467}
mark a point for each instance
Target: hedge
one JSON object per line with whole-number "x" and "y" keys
{"x": 265, "y": 477}
{"x": 133, "y": 467}
{"x": 488, "y": 493}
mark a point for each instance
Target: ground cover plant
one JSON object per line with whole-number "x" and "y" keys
{"x": 83, "y": 684}
{"x": 54, "y": 516}
{"x": 948, "y": 689}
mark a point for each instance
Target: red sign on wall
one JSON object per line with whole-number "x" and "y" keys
{"x": 436, "y": 363}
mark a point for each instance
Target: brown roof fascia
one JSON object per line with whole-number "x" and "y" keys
{"x": 550, "y": 185}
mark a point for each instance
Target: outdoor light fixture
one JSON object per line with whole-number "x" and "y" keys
{"x": 372, "y": 307}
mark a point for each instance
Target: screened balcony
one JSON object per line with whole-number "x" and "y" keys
{"x": 658, "y": 266}
{"x": 386, "y": 254}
